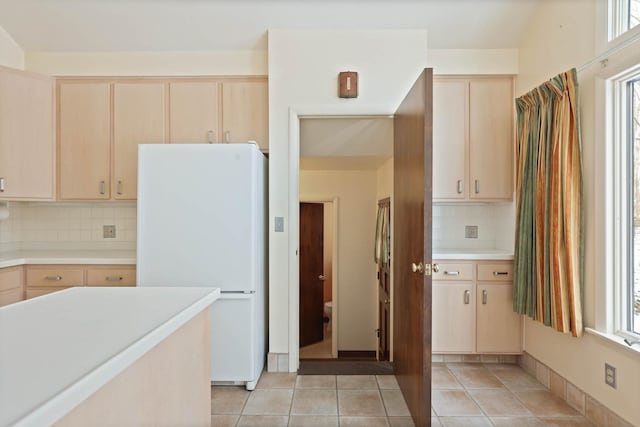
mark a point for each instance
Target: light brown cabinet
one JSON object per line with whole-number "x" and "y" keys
{"x": 219, "y": 110}
{"x": 473, "y": 309}
{"x": 473, "y": 138}
{"x": 27, "y": 148}
{"x": 11, "y": 285}
{"x": 45, "y": 278}
{"x": 91, "y": 115}
{"x": 138, "y": 118}
{"x": 84, "y": 140}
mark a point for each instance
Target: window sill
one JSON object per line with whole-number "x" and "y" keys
{"x": 615, "y": 340}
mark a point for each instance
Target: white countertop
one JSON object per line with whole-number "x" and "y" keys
{"x": 471, "y": 254}
{"x": 10, "y": 259}
{"x": 56, "y": 350}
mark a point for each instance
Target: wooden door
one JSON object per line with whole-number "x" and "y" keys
{"x": 139, "y": 118}
{"x": 311, "y": 268}
{"x": 384, "y": 295}
{"x": 450, "y": 138}
{"x": 84, "y": 118}
{"x": 193, "y": 112}
{"x": 453, "y": 317}
{"x": 412, "y": 165}
{"x": 491, "y": 138}
{"x": 26, "y": 135}
{"x": 245, "y": 112}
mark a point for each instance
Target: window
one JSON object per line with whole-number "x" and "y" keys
{"x": 625, "y": 14}
{"x": 633, "y": 206}
{"x": 626, "y": 180}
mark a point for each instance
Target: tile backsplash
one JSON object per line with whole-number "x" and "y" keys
{"x": 495, "y": 222}
{"x": 42, "y": 226}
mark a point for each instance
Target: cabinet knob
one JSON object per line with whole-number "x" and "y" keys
{"x": 477, "y": 186}
{"x": 119, "y": 188}
{"x": 56, "y": 278}
{"x": 113, "y": 278}
{"x": 1, "y": 184}
{"x": 467, "y": 296}
{"x": 484, "y": 297}
{"x": 460, "y": 188}
{"x": 101, "y": 188}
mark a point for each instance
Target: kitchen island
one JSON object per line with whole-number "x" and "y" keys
{"x": 107, "y": 356}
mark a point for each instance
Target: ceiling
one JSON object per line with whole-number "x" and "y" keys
{"x": 345, "y": 143}
{"x": 192, "y": 25}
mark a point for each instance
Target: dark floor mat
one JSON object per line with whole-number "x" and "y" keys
{"x": 344, "y": 367}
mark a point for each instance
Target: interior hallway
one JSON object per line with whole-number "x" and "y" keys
{"x": 463, "y": 395}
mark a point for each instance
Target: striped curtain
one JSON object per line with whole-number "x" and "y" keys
{"x": 548, "y": 258}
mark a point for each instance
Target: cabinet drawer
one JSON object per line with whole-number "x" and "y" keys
{"x": 495, "y": 272}
{"x": 11, "y": 296}
{"x": 10, "y": 278}
{"x": 36, "y": 292}
{"x": 111, "y": 277}
{"x": 453, "y": 271}
{"x": 55, "y": 277}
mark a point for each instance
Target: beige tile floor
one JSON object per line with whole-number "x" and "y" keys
{"x": 464, "y": 395}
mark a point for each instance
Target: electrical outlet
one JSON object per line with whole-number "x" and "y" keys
{"x": 471, "y": 231}
{"x": 610, "y": 375}
{"x": 109, "y": 231}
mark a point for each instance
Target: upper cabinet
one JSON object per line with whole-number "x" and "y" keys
{"x": 194, "y": 111}
{"x": 27, "y": 148}
{"x": 219, "y": 110}
{"x": 245, "y": 112}
{"x": 139, "y": 117}
{"x": 473, "y": 138}
{"x": 84, "y": 135}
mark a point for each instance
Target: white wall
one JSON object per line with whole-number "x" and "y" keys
{"x": 303, "y": 71}
{"x": 207, "y": 63}
{"x": 473, "y": 61}
{"x": 356, "y": 194}
{"x": 562, "y": 35}
{"x": 11, "y": 55}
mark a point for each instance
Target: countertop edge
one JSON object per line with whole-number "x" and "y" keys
{"x": 60, "y": 405}
{"x": 14, "y": 262}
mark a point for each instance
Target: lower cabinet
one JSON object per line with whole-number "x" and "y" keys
{"x": 473, "y": 309}
{"x": 11, "y": 285}
{"x": 44, "y": 279}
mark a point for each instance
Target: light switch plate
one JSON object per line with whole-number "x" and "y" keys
{"x": 279, "y": 226}
{"x": 471, "y": 231}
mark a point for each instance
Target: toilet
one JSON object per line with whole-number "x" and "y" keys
{"x": 327, "y": 314}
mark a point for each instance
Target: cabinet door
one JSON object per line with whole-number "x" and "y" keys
{"x": 138, "y": 118}
{"x": 450, "y": 143}
{"x": 11, "y": 289}
{"x": 84, "y": 126}
{"x": 245, "y": 112}
{"x": 453, "y": 318}
{"x": 26, "y": 136}
{"x": 499, "y": 329}
{"x": 491, "y": 139}
{"x": 193, "y": 112}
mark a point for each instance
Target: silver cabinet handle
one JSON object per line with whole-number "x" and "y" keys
{"x": 500, "y": 273}
{"x": 227, "y": 136}
{"x": 467, "y": 296}
{"x": 484, "y": 296}
{"x": 460, "y": 186}
{"x": 1, "y": 184}
{"x": 113, "y": 278}
{"x": 210, "y": 137}
{"x": 321, "y": 277}
{"x": 56, "y": 278}
{"x": 101, "y": 187}
{"x": 119, "y": 188}
{"x": 477, "y": 186}
{"x": 451, "y": 273}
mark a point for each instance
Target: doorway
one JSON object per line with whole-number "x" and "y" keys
{"x": 317, "y": 302}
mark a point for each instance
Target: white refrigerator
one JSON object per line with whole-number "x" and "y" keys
{"x": 202, "y": 215}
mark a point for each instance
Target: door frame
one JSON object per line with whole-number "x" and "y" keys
{"x": 295, "y": 112}
{"x": 334, "y": 200}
